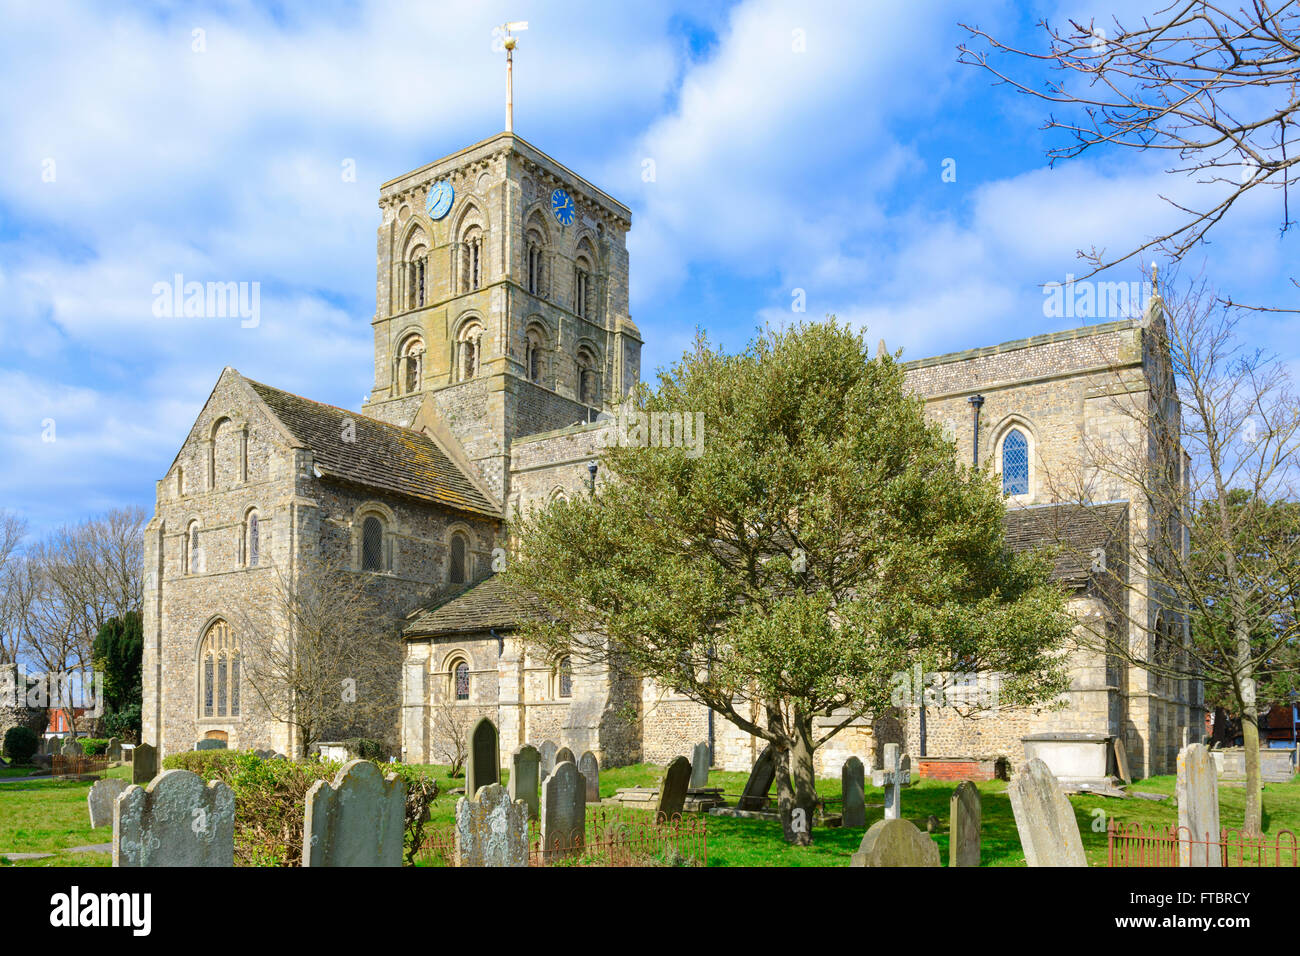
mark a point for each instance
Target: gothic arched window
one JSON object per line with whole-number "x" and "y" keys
{"x": 372, "y": 544}
{"x": 457, "y": 570}
{"x": 219, "y": 672}
{"x": 1015, "y": 463}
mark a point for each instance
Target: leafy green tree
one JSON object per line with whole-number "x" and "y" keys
{"x": 824, "y": 540}
{"x": 118, "y": 653}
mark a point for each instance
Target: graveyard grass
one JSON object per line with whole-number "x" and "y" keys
{"x": 47, "y": 816}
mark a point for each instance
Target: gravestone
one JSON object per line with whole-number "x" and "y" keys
{"x": 358, "y": 820}
{"x": 759, "y": 782}
{"x": 672, "y": 789}
{"x": 178, "y": 820}
{"x": 101, "y": 798}
{"x": 525, "y": 777}
{"x": 484, "y": 764}
{"x": 72, "y": 748}
{"x": 932, "y": 824}
{"x": 114, "y": 749}
{"x": 1198, "y": 808}
{"x": 547, "y": 752}
{"x": 895, "y": 843}
{"x": 491, "y": 829}
{"x": 853, "y": 793}
{"x": 589, "y": 767}
{"x": 964, "y": 825}
{"x": 208, "y": 743}
{"x": 144, "y": 764}
{"x": 563, "y": 754}
{"x": 564, "y": 811}
{"x": 700, "y": 761}
{"x": 897, "y": 771}
{"x": 1121, "y": 761}
{"x": 1049, "y": 832}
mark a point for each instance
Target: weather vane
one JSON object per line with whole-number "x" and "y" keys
{"x": 506, "y": 31}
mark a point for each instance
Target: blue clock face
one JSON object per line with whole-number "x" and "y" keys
{"x": 439, "y": 199}
{"x": 563, "y": 208}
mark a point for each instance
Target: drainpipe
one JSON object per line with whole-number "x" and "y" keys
{"x": 976, "y": 402}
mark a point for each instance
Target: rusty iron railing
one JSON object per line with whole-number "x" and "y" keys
{"x": 78, "y": 766}
{"x": 612, "y": 837}
{"x": 1144, "y": 845}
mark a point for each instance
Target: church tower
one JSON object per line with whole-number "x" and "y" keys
{"x": 502, "y": 300}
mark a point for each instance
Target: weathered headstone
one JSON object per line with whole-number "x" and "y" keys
{"x": 144, "y": 764}
{"x": 853, "y": 793}
{"x": 1198, "y": 808}
{"x": 564, "y": 811}
{"x": 1049, "y": 832}
{"x": 491, "y": 829}
{"x": 208, "y": 743}
{"x": 358, "y": 820}
{"x": 563, "y": 754}
{"x": 897, "y": 771}
{"x": 547, "y": 752}
{"x": 932, "y": 824}
{"x": 895, "y": 843}
{"x": 72, "y": 748}
{"x": 525, "y": 778}
{"x": 484, "y": 764}
{"x": 672, "y": 789}
{"x": 114, "y": 749}
{"x": 178, "y": 820}
{"x": 760, "y": 781}
{"x": 101, "y": 798}
{"x": 964, "y": 825}
{"x": 589, "y": 767}
{"x": 1121, "y": 761}
{"x": 700, "y": 761}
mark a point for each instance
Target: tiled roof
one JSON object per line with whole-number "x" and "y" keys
{"x": 487, "y": 605}
{"x": 1073, "y": 531}
{"x": 382, "y": 456}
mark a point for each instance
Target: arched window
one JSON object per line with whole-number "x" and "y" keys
{"x": 457, "y": 570}
{"x": 372, "y": 544}
{"x": 410, "y": 362}
{"x": 254, "y": 544}
{"x": 471, "y": 262}
{"x": 564, "y": 677}
{"x": 533, "y": 359}
{"x": 219, "y": 672}
{"x": 1015, "y": 463}
{"x": 581, "y": 285}
{"x": 587, "y": 382}
{"x": 460, "y": 679}
{"x": 535, "y": 255}
{"x": 193, "y": 557}
{"x": 469, "y": 345}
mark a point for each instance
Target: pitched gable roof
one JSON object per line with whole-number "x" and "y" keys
{"x": 1073, "y": 532}
{"x": 487, "y": 605}
{"x": 382, "y": 456}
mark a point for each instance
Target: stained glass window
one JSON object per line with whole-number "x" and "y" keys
{"x": 564, "y": 673}
{"x": 462, "y": 681}
{"x": 207, "y": 686}
{"x": 254, "y": 541}
{"x": 457, "y": 571}
{"x": 1015, "y": 463}
{"x": 219, "y": 653}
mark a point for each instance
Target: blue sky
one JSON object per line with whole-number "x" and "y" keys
{"x": 218, "y": 155}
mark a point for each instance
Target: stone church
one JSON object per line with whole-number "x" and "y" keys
{"x": 502, "y": 340}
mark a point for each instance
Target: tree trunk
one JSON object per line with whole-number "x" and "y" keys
{"x": 803, "y": 775}
{"x": 1253, "y": 826}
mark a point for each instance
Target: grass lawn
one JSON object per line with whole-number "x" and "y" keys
{"x": 48, "y": 816}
